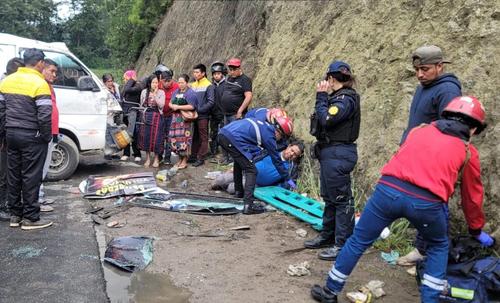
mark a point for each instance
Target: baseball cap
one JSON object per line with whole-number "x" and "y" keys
{"x": 428, "y": 54}
{"x": 234, "y": 62}
{"x": 339, "y": 67}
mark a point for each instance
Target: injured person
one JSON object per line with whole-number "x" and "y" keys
{"x": 267, "y": 174}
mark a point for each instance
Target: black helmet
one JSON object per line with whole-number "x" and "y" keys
{"x": 166, "y": 72}
{"x": 218, "y": 66}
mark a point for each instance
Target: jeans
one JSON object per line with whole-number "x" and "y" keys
{"x": 241, "y": 164}
{"x": 216, "y": 122}
{"x": 136, "y": 151}
{"x": 385, "y": 206}
{"x": 336, "y": 164}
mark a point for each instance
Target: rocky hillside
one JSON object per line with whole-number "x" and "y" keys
{"x": 287, "y": 45}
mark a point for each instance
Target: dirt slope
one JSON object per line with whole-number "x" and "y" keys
{"x": 287, "y": 45}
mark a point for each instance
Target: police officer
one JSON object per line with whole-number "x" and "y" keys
{"x": 335, "y": 124}
{"x": 26, "y": 127}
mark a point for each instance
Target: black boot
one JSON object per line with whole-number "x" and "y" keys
{"x": 253, "y": 209}
{"x": 323, "y": 294}
{"x": 319, "y": 242}
{"x": 238, "y": 194}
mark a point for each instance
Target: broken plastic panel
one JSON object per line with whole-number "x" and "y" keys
{"x": 130, "y": 253}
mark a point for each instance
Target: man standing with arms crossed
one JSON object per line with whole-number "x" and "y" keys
{"x": 25, "y": 123}
{"x": 237, "y": 95}
{"x": 435, "y": 91}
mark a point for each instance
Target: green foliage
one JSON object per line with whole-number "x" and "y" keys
{"x": 308, "y": 181}
{"x": 401, "y": 238}
{"x": 34, "y": 19}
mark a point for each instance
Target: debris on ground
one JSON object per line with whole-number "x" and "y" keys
{"x": 27, "y": 252}
{"x": 115, "y": 224}
{"x": 374, "y": 287}
{"x": 301, "y": 232}
{"x": 130, "y": 253}
{"x": 98, "y": 187}
{"x": 97, "y": 219}
{"x": 184, "y": 184}
{"x": 242, "y": 227}
{"x": 391, "y": 257}
{"x": 412, "y": 271}
{"x": 359, "y": 297}
{"x": 212, "y": 175}
{"x": 298, "y": 270}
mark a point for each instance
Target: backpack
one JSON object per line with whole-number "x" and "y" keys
{"x": 471, "y": 277}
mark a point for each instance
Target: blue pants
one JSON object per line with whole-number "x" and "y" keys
{"x": 336, "y": 164}
{"x": 385, "y": 206}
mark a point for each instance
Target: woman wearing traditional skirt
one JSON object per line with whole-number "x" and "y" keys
{"x": 181, "y": 131}
{"x": 151, "y": 131}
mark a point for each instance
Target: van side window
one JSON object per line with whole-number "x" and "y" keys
{"x": 69, "y": 71}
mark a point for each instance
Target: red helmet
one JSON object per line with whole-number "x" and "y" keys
{"x": 284, "y": 124}
{"x": 470, "y": 107}
{"x": 234, "y": 62}
{"x": 273, "y": 113}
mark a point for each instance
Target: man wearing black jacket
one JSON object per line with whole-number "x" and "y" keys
{"x": 216, "y": 116}
{"x": 131, "y": 98}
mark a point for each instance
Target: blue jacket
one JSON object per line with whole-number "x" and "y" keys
{"x": 429, "y": 101}
{"x": 242, "y": 134}
{"x": 205, "y": 92}
{"x": 259, "y": 113}
{"x": 267, "y": 174}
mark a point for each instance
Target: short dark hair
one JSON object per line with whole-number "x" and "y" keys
{"x": 48, "y": 62}
{"x": 32, "y": 56}
{"x": 13, "y": 65}
{"x": 346, "y": 80}
{"x": 107, "y": 77}
{"x": 201, "y": 67}
{"x": 185, "y": 77}
{"x": 299, "y": 144}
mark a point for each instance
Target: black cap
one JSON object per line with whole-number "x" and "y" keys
{"x": 32, "y": 56}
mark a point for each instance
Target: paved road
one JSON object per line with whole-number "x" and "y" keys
{"x": 60, "y": 263}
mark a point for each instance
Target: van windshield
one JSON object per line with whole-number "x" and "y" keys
{"x": 69, "y": 71}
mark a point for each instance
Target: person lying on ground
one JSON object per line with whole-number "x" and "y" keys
{"x": 267, "y": 173}
{"x": 416, "y": 184}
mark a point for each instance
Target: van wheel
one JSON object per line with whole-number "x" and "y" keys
{"x": 65, "y": 158}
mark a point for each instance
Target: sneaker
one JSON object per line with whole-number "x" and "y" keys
{"x": 198, "y": 163}
{"x": 192, "y": 160}
{"x": 15, "y": 221}
{"x": 124, "y": 158}
{"x": 137, "y": 159}
{"x": 30, "y": 225}
{"x": 411, "y": 258}
{"x": 46, "y": 201}
{"x": 253, "y": 209}
{"x": 46, "y": 208}
{"x": 329, "y": 254}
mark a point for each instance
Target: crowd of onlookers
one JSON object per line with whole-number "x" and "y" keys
{"x": 179, "y": 113}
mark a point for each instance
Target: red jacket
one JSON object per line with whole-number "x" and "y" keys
{"x": 55, "y": 112}
{"x": 167, "y": 111}
{"x": 431, "y": 159}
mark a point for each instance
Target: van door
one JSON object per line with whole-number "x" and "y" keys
{"x": 7, "y": 52}
{"x": 82, "y": 112}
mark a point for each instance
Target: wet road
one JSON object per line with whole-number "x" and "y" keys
{"x": 60, "y": 263}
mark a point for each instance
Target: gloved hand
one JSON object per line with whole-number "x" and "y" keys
{"x": 485, "y": 239}
{"x": 291, "y": 184}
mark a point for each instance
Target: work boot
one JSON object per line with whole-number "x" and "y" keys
{"x": 4, "y": 216}
{"x": 46, "y": 208}
{"x": 238, "y": 194}
{"x": 198, "y": 163}
{"x": 30, "y": 225}
{"x": 329, "y": 254}
{"x": 253, "y": 209}
{"x": 410, "y": 259}
{"x": 15, "y": 221}
{"x": 323, "y": 294}
{"x": 45, "y": 201}
{"x": 319, "y": 242}
{"x": 191, "y": 159}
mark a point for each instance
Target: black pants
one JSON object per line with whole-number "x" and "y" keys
{"x": 336, "y": 165}
{"x": 241, "y": 164}
{"x": 135, "y": 149}
{"x": 3, "y": 179}
{"x": 216, "y": 122}
{"x": 26, "y": 151}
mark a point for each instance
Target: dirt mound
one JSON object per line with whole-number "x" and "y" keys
{"x": 287, "y": 45}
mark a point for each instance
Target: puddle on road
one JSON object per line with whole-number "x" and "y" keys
{"x": 139, "y": 287}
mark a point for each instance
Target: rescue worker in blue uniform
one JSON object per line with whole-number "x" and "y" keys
{"x": 245, "y": 140}
{"x": 335, "y": 124}
{"x": 269, "y": 115}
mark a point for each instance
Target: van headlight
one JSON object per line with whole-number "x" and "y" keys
{"x": 113, "y": 104}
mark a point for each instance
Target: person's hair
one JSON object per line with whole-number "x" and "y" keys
{"x": 347, "y": 80}
{"x": 107, "y": 77}
{"x": 184, "y": 76}
{"x": 299, "y": 144}
{"x": 32, "y": 56}
{"x": 201, "y": 67}
{"x": 13, "y": 65}
{"x": 49, "y": 62}
{"x": 149, "y": 80}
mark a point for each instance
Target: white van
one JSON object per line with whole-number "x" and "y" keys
{"x": 82, "y": 100}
